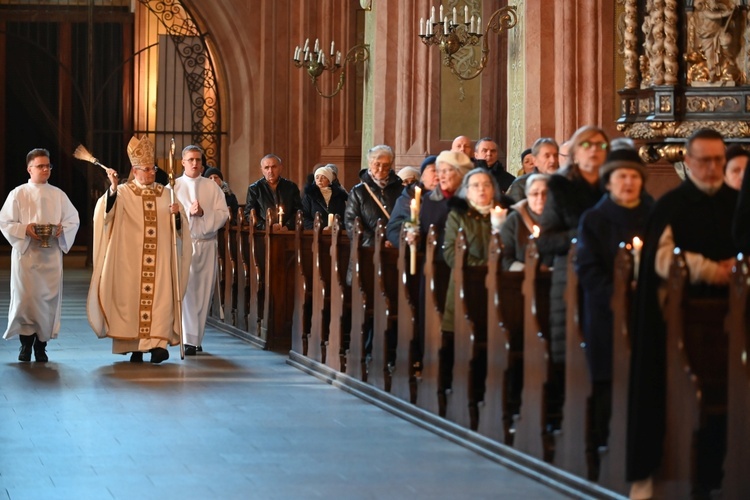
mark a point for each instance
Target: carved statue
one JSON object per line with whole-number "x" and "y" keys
{"x": 711, "y": 59}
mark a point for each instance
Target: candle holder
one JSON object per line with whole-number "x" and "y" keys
{"x": 451, "y": 36}
{"x": 315, "y": 61}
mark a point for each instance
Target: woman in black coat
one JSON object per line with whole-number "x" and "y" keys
{"x": 618, "y": 217}
{"x": 323, "y": 195}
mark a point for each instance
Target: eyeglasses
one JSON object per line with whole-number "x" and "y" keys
{"x": 46, "y": 166}
{"x": 475, "y": 185}
{"x": 598, "y": 145}
{"x": 147, "y": 170}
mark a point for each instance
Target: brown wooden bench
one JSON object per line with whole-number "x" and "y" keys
{"x": 385, "y": 279}
{"x": 303, "y": 290}
{"x": 321, "y": 290}
{"x": 612, "y": 457}
{"x": 436, "y": 273}
{"x": 530, "y": 423}
{"x": 403, "y": 383}
{"x": 360, "y": 266}
{"x": 341, "y": 299}
{"x": 504, "y": 347}
{"x": 696, "y": 374}
{"x": 218, "y": 296}
{"x": 736, "y": 478}
{"x": 253, "y": 252}
{"x": 571, "y": 439}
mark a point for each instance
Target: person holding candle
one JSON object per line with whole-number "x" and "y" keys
{"x": 520, "y": 224}
{"x": 274, "y": 192}
{"x": 323, "y": 195}
{"x": 697, "y": 217}
{"x": 469, "y": 210}
{"x": 619, "y": 216}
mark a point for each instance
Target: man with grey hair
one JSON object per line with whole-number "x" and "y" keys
{"x": 275, "y": 192}
{"x": 374, "y": 197}
{"x": 545, "y": 154}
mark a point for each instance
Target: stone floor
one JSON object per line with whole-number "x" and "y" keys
{"x": 232, "y": 422}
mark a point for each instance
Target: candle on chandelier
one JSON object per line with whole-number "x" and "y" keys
{"x": 338, "y": 58}
{"x": 296, "y": 53}
{"x": 441, "y": 12}
{"x": 473, "y": 26}
{"x": 317, "y": 45}
{"x": 307, "y": 44}
{"x": 432, "y": 15}
{"x": 421, "y": 26}
{"x": 445, "y": 25}
{"x": 479, "y": 25}
{"x": 466, "y": 14}
{"x": 333, "y": 52}
{"x": 455, "y": 16}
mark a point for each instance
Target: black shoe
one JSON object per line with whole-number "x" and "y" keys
{"x": 27, "y": 343}
{"x": 190, "y": 350}
{"x": 159, "y": 354}
{"x": 136, "y": 357}
{"x": 199, "y": 348}
{"x": 40, "y": 351}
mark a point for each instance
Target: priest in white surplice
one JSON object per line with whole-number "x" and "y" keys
{"x": 131, "y": 298}
{"x": 206, "y": 205}
{"x": 35, "y": 271}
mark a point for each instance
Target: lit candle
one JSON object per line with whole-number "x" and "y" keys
{"x": 330, "y": 220}
{"x": 333, "y": 52}
{"x": 414, "y": 211}
{"x": 497, "y": 217}
{"x": 637, "y": 245}
{"x": 455, "y": 16}
{"x": 479, "y": 25}
{"x": 418, "y": 197}
{"x": 535, "y": 231}
{"x": 281, "y": 214}
{"x": 466, "y": 14}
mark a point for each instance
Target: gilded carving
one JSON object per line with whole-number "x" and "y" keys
{"x": 671, "y": 50}
{"x": 702, "y": 104}
{"x": 665, "y": 104}
{"x": 711, "y": 44}
{"x": 646, "y": 105}
{"x": 630, "y": 43}
{"x": 661, "y": 130}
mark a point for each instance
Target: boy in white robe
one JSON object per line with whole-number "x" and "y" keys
{"x": 36, "y": 271}
{"x": 206, "y": 205}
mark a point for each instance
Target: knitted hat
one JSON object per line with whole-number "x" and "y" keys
{"x": 525, "y": 153}
{"x": 325, "y": 171}
{"x": 211, "y": 171}
{"x": 409, "y": 173}
{"x": 430, "y": 160}
{"x": 621, "y": 158}
{"x": 457, "y": 160}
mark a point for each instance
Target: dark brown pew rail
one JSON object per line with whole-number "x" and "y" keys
{"x": 510, "y": 331}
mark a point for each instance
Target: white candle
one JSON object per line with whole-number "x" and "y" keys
{"x": 637, "y": 246}
{"x": 421, "y": 26}
{"x": 445, "y": 25}
{"x": 307, "y": 44}
{"x": 330, "y": 220}
{"x": 535, "y": 231}
{"x": 338, "y": 58}
{"x": 320, "y": 57}
{"x": 317, "y": 45}
{"x": 479, "y": 25}
{"x": 418, "y": 197}
{"x": 414, "y": 211}
{"x": 281, "y": 214}
{"x": 296, "y": 53}
{"x": 473, "y": 27}
{"x": 432, "y": 15}
{"x": 332, "y": 51}
{"x": 466, "y": 14}
{"x": 455, "y": 16}
{"x": 497, "y": 217}
{"x": 441, "y": 12}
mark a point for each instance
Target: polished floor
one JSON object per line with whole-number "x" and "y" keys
{"x": 232, "y": 422}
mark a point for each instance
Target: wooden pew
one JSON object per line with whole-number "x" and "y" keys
{"x": 696, "y": 370}
{"x": 219, "y": 293}
{"x": 341, "y": 299}
{"x": 276, "y": 325}
{"x": 404, "y": 384}
{"x": 504, "y": 346}
{"x": 612, "y": 457}
{"x": 253, "y": 252}
{"x": 571, "y": 440}
{"x": 321, "y": 291}
{"x": 736, "y": 478}
{"x": 436, "y": 273}
{"x": 360, "y": 266}
{"x": 532, "y": 417}
{"x": 385, "y": 279}
{"x": 302, "y": 313}
{"x": 233, "y": 271}
{"x": 470, "y": 337}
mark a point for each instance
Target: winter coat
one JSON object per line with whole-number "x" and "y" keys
{"x": 313, "y": 202}
{"x": 261, "y": 197}
{"x": 361, "y": 204}
{"x": 515, "y": 236}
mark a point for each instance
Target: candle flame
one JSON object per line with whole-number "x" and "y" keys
{"x": 637, "y": 243}
{"x": 535, "y": 231}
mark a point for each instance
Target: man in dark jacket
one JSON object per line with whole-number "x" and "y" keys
{"x": 696, "y": 216}
{"x": 374, "y": 197}
{"x": 275, "y": 192}
{"x": 485, "y": 154}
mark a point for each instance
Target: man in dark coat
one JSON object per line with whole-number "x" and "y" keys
{"x": 696, "y": 217}
{"x": 485, "y": 154}
{"x": 374, "y": 197}
{"x": 274, "y": 192}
